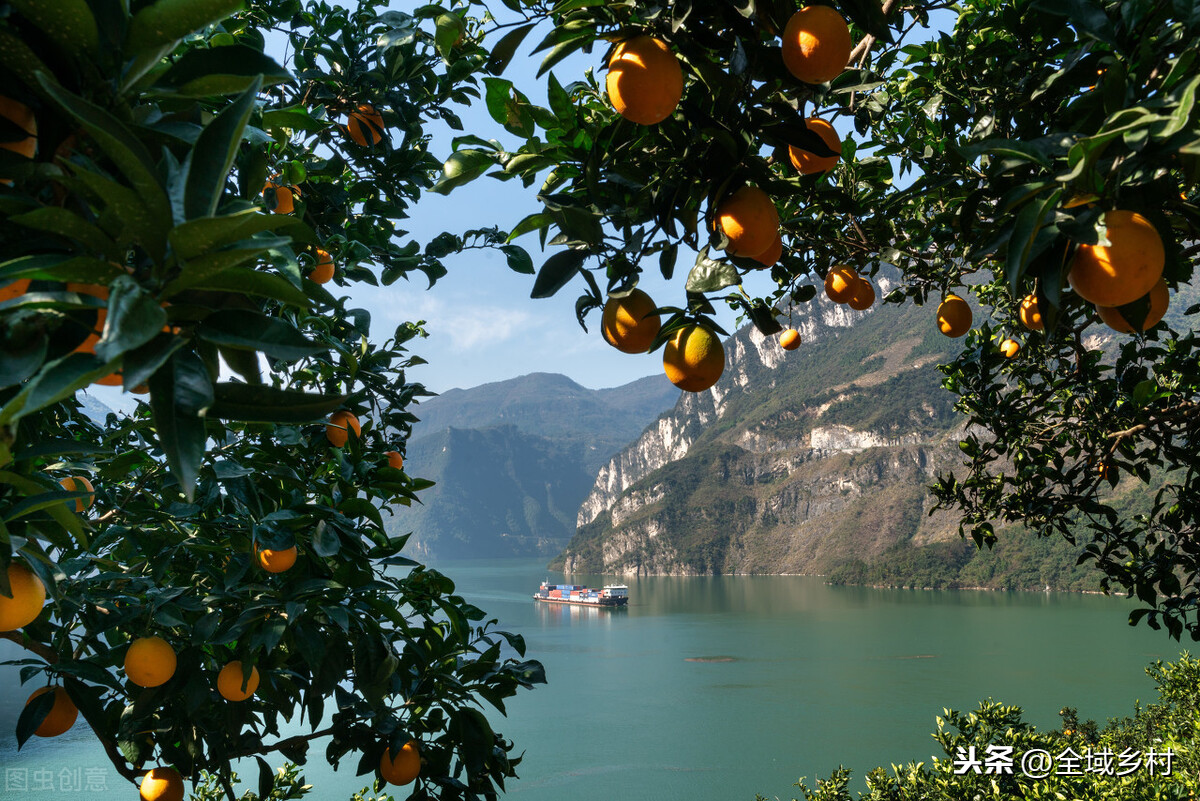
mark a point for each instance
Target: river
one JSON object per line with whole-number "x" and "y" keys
{"x": 717, "y": 688}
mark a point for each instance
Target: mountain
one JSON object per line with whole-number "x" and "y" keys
{"x": 815, "y": 461}
{"x": 512, "y": 460}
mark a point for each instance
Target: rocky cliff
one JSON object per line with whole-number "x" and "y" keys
{"x": 793, "y": 463}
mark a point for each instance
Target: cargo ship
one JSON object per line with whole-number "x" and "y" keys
{"x": 611, "y": 595}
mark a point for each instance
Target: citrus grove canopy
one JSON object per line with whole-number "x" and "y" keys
{"x": 1039, "y": 157}
{"x": 176, "y": 202}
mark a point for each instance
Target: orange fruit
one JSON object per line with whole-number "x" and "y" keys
{"x": 808, "y": 163}
{"x": 1010, "y": 348}
{"x": 62, "y": 715}
{"x": 1122, "y": 272}
{"x": 645, "y": 82}
{"x": 1160, "y": 299}
{"x": 285, "y": 197}
{"x": 816, "y": 44}
{"x": 21, "y": 116}
{"x": 395, "y": 460}
{"x": 229, "y": 682}
{"x": 694, "y": 358}
{"x": 111, "y": 380}
{"x": 404, "y": 768}
{"x": 1107, "y": 471}
{"x": 750, "y": 221}
{"x": 954, "y": 316}
{"x": 79, "y": 484}
{"x": 28, "y": 596}
{"x": 365, "y": 123}
{"x": 840, "y": 283}
{"x": 14, "y": 290}
{"x": 338, "y": 429}
{"x": 789, "y": 339}
{"x": 96, "y": 291}
{"x": 322, "y": 272}
{"x": 1030, "y": 314}
{"x": 862, "y": 297}
{"x": 150, "y": 661}
{"x": 162, "y": 784}
{"x": 629, "y": 324}
{"x": 773, "y": 253}
{"x": 277, "y": 561}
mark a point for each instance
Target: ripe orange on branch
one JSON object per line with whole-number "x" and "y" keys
{"x": 862, "y": 297}
{"x": 1030, "y": 314}
{"x": 1126, "y": 269}
{"x": 1010, "y": 348}
{"x": 25, "y": 604}
{"x": 1160, "y": 299}
{"x": 629, "y": 324}
{"x": 645, "y": 81}
{"x": 954, "y": 316}
{"x": 62, "y": 715}
{"x": 322, "y": 271}
{"x": 807, "y": 162}
{"x": 395, "y": 460}
{"x": 80, "y": 484}
{"x": 229, "y": 682}
{"x": 404, "y": 767}
{"x": 816, "y": 44}
{"x": 285, "y": 197}
{"x": 750, "y": 220}
{"x": 277, "y": 561}
{"x": 365, "y": 125}
{"x": 789, "y": 339}
{"x": 150, "y": 661}
{"x": 840, "y": 282}
{"x": 22, "y": 117}
{"x": 694, "y": 358}
{"x": 14, "y": 290}
{"x": 162, "y": 784}
{"x": 774, "y": 252}
{"x": 338, "y": 429}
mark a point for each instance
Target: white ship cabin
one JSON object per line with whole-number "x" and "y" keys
{"x": 615, "y": 591}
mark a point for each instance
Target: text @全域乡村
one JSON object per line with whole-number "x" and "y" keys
{"x": 1037, "y": 763}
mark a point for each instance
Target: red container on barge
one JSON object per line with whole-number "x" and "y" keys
{"x": 610, "y": 595}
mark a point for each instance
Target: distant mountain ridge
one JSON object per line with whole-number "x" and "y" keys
{"x": 512, "y": 460}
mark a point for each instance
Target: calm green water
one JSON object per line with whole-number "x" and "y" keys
{"x": 812, "y": 677}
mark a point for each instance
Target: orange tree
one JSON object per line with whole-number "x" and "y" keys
{"x": 982, "y": 160}
{"x": 145, "y": 145}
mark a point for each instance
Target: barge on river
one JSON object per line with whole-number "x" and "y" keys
{"x": 611, "y": 595}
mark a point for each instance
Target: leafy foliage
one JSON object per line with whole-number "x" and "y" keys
{"x": 143, "y": 225}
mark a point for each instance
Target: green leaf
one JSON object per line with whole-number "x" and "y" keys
{"x": 138, "y": 223}
{"x": 204, "y": 268}
{"x": 504, "y": 49}
{"x": 125, "y": 149}
{"x": 59, "y": 267}
{"x": 179, "y": 394}
{"x": 557, "y": 272}
{"x": 134, "y": 318}
{"x": 294, "y": 118}
{"x": 61, "y": 222}
{"x": 1027, "y": 238}
{"x": 138, "y": 365}
{"x": 32, "y": 715}
{"x": 246, "y": 330}
{"x": 62, "y": 515}
{"x": 709, "y": 275}
{"x": 56, "y": 380}
{"x": 69, "y": 24}
{"x": 518, "y": 260}
{"x": 207, "y": 166}
{"x": 508, "y": 107}
{"x": 270, "y": 405}
{"x": 167, "y": 21}
{"x": 227, "y": 70}
{"x": 197, "y": 237}
{"x": 261, "y": 284}
{"x": 448, "y": 30}
{"x": 462, "y": 167}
